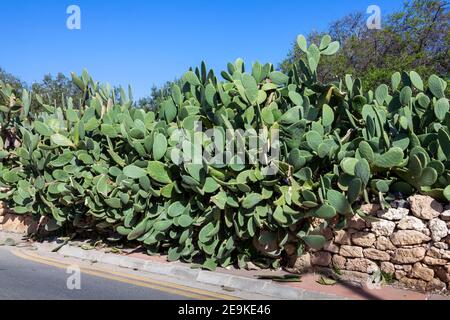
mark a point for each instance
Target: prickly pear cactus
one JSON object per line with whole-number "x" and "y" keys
{"x": 120, "y": 167}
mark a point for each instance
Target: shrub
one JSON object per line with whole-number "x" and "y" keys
{"x": 116, "y": 166}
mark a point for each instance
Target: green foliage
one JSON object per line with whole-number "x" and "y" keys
{"x": 415, "y": 37}
{"x": 116, "y": 166}
{"x": 55, "y": 89}
{"x": 11, "y": 80}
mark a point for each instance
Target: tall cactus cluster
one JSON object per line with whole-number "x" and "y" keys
{"x": 110, "y": 166}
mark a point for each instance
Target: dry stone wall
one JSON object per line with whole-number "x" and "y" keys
{"x": 21, "y": 224}
{"x": 410, "y": 242}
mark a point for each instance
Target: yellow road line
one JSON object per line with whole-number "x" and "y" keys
{"x": 115, "y": 278}
{"x": 130, "y": 279}
{"x": 144, "y": 279}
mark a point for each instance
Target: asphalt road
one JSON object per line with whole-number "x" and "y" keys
{"x": 21, "y": 279}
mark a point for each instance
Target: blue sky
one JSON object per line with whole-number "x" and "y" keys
{"x": 146, "y": 42}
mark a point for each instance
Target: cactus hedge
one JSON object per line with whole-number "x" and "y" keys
{"x": 108, "y": 165}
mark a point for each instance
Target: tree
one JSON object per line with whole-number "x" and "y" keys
{"x": 57, "y": 90}
{"x": 415, "y": 38}
{"x": 157, "y": 95}
{"x": 12, "y": 80}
